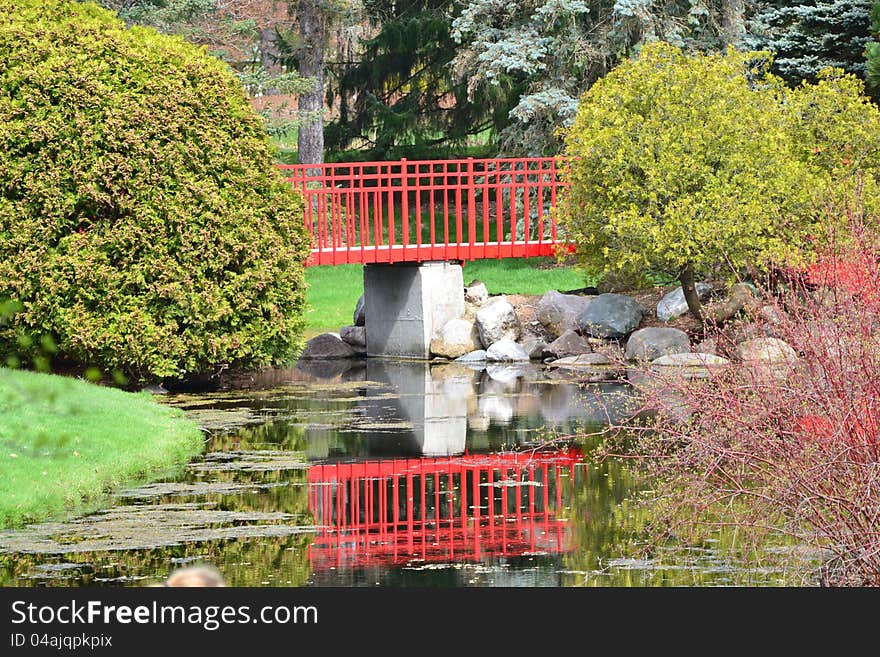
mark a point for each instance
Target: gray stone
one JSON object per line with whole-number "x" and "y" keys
{"x": 497, "y": 320}
{"x": 690, "y": 360}
{"x": 611, "y": 316}
{"x": 707, "y": 346}
{"x": 360, "y": 315}
{"x": 653, "y": 342}
{"x": 327, "y": 346}
{"x": 506, "y": 350}
{"x": 559, "y": 312}
{"x": 476, "y": 293}
{"x": 673, "y": 303}
{"x": 768, "y": 351}
{"x": 772, "y": 315}
{"x": 584, "y": 360}
{"x": 689, "y": 366}
{"x": 456, "y": 338}
{"x": 478, "y": 356}
{"x": 534, "y": 347}
{"x": 356, "y": 336}
{"x": 567, "y": 344}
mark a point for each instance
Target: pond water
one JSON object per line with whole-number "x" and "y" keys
{"x": 383, "y": 473}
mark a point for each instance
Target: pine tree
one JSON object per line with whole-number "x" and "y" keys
{"x": 811, "y": 35}
{"x": 400, "y": 97}
{"x": 872, "y": 53}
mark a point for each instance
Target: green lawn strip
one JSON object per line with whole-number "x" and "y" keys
{"x": 334, "y": 290}
{"x": 65, "y": 443}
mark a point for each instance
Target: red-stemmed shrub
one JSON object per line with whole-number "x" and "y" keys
{"x": 791, "y": 447}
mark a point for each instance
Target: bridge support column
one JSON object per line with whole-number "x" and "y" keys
{"x": 406, "y": 303}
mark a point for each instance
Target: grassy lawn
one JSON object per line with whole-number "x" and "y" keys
{"x": 65, "y": 443}
{"x": 334, "y": 290}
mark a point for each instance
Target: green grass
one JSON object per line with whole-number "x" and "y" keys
{"x": 334, "y": 290}
{"x": 65, "y": 443}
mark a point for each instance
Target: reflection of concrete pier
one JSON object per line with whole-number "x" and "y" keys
{"x": 435, "y": 407}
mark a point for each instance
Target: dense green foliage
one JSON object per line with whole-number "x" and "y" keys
{"x": 708, "y": 163}
{"x": 400, "y": 97}
{"x": 810, "y": 35}
{"x": 64, "y": 443}
{"x": 549, "y": 53}
{"x": 872, "y": 52}
{"x": 142, "y": 224}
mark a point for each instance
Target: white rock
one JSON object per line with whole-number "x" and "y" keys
{"x": 497, "y": 320}
{"x": 456, "y": 338}
{"x": 506, "y": 350}
{"x": 673, "y": 303}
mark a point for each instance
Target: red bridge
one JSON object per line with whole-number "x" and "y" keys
{"x": 415, "y": 211}
{"x": 397, "y": 511}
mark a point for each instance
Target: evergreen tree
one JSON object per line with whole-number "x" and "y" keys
{"x": 400, "y": 97}
{"x": 872, "y": 52}
{"x": 811, "y": 35}
{"x": 556, "y": 49}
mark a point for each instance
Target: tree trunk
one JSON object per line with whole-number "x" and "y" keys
{"x": 733, "y": 22}
{"x": 689, "y": 287}
{"x": 312, "y": 26}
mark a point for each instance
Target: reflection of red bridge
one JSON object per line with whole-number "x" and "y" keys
{"x": 465, "y": 508}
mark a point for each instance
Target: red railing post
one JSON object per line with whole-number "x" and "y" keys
{"x": 472, "y": 207}
{"x": 404, "y": 205}
{"x": 554, "y": 175}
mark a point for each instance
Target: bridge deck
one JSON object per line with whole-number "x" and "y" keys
{"x": 425, "y": 252}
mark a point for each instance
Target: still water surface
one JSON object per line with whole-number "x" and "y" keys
{"x": 382, "y": 473}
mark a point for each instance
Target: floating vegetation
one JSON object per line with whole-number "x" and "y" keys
{"x": 250, "y": 461}
{"x": 183, "y": 489}
{"x": 141, "y": 527}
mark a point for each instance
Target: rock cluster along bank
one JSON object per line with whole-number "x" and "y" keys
{"x": 561, "y": 330}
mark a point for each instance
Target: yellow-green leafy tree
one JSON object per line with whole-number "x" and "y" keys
{"x": 695, "y": 164}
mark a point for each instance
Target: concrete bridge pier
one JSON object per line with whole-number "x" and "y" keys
{"x": 407, "y": 302}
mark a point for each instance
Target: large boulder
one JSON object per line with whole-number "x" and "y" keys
{"x": 456, "y": 338}
{"x": 584, "y": 360}
{"x": 505, "y": 350}
{"x": 497, "y": 320}
{"x": 559, "y": 312}
{"x": 356, "y": 336}
{"x": 673, "y": 303}
{"x": 360, "y": 315}
{"x": 567, "y": 344}
{"x": 611, "y": 316}
{"x": 327, "y": 346}
{"x": 766, "y": 351}
{"x": 653, "y": 342}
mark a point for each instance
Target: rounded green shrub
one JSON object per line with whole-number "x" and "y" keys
{"x": 142, "y": 222}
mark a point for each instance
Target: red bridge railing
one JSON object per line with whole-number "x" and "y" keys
{"x": 411, "y": 211}
{"x": 431, "y": 509}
